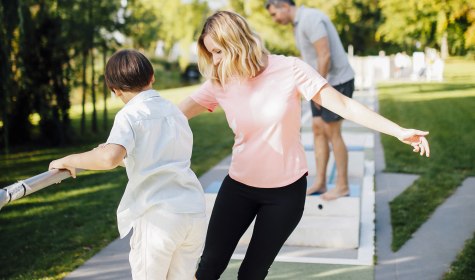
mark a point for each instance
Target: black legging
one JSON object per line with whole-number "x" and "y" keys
{"x": 277, "y": 212}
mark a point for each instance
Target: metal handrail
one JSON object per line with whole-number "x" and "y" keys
{"x": 26, "y": 187}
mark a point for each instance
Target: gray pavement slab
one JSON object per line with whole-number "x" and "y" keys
{"x": 307, "y": 271}
{"x": 111, "y": 263}
{"x": 435, "y": 245}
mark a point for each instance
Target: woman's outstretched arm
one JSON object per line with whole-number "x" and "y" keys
{"x": 354, "y": 111}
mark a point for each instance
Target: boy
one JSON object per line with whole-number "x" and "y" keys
{"x": 163, "y": 201}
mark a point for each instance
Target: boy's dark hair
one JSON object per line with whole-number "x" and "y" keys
{"x": 128, "y": 70}
{"x": 277, "y": 3}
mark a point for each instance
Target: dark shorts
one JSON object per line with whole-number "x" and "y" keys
{"x": 327, "y": 115}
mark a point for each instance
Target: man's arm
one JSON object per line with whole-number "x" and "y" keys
{"x": 322, "y": 48}
{"x": 104, "y": 157}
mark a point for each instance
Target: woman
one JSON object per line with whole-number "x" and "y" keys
{"x": 260, "y": 95}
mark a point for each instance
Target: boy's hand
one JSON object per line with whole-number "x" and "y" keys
{"x": 61, "y": 164}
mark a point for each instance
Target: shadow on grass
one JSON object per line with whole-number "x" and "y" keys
{"x": 65, "y": 224}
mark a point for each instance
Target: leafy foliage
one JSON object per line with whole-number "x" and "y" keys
{"x": 416, "y": 24}
{"x": 49, "y": 49}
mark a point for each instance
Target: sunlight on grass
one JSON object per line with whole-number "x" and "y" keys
{"x": 114, "y": 104}
{"x": 410, "y": 97}
{"x": 55, "y": 198}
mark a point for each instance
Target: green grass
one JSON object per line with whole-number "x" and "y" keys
{"x": 463, "y": 268}
{"x": 446, "y": 109}
{"x": 52, "y": 232}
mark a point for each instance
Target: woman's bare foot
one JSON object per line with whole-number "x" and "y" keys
{"x": 335, "y": 193}
{"x": 316, "y": 189}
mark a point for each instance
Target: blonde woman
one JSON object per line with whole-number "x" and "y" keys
{"x": 261, "y": 95}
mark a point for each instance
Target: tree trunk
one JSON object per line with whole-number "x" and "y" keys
{"x": 93, "y": 93}
{"x": 93, "y": 71}
{"x": 104, "y": 88}
{"x": 5, "y": 39}
{"x": 84, "y": 86}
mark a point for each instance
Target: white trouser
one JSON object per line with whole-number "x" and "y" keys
{"x": 166, "y": 245}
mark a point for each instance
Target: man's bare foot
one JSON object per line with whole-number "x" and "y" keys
{"x": 315, "y": 189}
{"x": 335, "y": 193}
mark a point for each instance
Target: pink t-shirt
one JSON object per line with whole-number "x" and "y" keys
{"x": 264, "y": 114}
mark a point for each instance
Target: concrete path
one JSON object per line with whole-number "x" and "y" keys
{"x": 435, "y": 245}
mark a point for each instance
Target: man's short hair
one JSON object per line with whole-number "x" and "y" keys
{"x": 277, "y": 3}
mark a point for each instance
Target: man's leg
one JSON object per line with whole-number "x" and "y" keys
{"x": 333, "y": 132}
{"x": 321, "y": 153}
{"x": 332, "y": 124}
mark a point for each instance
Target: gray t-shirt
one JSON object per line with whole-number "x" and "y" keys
{"x": 311, "y": 25}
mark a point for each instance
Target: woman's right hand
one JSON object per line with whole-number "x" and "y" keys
{"x": 416, "y": 138}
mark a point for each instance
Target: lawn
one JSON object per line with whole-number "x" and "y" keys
{"x": 53, "y": 231}
{"x": 446, "y": 109}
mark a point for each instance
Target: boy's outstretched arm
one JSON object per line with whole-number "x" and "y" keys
{"x": 104, "y": 157}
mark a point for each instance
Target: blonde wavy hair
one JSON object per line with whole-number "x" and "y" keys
{"x": 243, "y": 50}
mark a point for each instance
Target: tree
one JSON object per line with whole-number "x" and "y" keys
{"x": 277, "y": 38}
{"x": 8, "y": 87}
{"x": 169, "y": 21}
{"x": 39, "y": 45}
{"x": 92, "y": 28}
{"x": 460, "y": 26}
{"x": 355, "y": 20}
{"x": 425, "y": 23}
{"x": 43, "y": 57}
{"x": 143, "y": 23}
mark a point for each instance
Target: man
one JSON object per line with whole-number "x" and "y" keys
{"x": 320, "y": 46}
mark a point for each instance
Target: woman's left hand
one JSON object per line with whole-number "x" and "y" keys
{"x": 416, "y": 138}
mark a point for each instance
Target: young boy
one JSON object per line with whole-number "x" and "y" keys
{"x": 163, "y": 201}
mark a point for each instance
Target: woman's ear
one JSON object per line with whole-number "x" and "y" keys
{"x": 152, "y": 80}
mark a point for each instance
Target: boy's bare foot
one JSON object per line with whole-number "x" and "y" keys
{"x": 335, "y": 193}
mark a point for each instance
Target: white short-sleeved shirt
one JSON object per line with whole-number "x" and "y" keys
{"x": 310, "y": 25}
{"x": 158, "y": 141}
{"x": 264, "y": 114}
